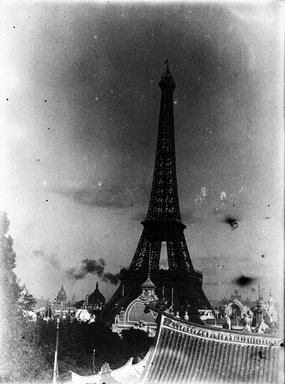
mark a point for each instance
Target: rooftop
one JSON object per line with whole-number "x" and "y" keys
{"x": 186, "y": 353}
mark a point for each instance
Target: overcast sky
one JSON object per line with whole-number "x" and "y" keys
{"x": 80, "y": 107}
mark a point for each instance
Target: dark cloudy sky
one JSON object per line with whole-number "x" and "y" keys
{"x": 80, "y": 109}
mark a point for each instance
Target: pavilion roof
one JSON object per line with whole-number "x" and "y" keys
{"x": 190, "y": 353}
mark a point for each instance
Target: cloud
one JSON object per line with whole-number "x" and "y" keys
{"x": 92, "y": 267}
{"x": 96, "y": 198}
{"x": 49, "y": 258}
{"x": 96, "y": 195}
{"x": 112, "y": 278}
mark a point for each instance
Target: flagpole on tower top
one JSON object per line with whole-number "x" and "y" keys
{"x": 166, "y": 62}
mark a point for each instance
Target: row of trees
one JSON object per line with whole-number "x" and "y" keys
{"x": 20, "y": 357}
{"x": 27, "y": 348}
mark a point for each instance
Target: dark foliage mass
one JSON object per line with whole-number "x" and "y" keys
{"x": 77, "y": 342}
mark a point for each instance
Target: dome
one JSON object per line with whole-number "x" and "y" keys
{"x": 96, "y": 297}
{"x": 148, "y": 283}
{"x": 137, "y": 312}
{"x": 61, "y": 296}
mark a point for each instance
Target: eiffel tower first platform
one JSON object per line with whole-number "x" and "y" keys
{"x": 179, "y": 284}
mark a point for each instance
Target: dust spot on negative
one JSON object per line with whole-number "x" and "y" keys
{"x": 231, "y": 221}
{"x": 243, "y": 280}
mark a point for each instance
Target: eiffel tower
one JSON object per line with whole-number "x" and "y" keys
{"x": 163, "y": 231}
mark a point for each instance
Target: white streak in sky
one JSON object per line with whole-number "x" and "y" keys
{"x": 202, "y": 197}
{"x": 236, "y": 193}
{"x": 147, "y": 180}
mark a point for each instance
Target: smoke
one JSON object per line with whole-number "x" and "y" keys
{"x": 92, "y": 267}
{"x": 87, "y": 266}
{"x": 49, "y": 258}
{"x": 110, "y": 277}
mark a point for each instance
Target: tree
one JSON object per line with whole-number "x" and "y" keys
{"x": 20, "y": 358}
{"x": 27, "y": 301}
{"x": 11, "y": 290}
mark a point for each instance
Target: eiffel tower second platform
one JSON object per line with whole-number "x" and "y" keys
{"x": 179, "y": 283}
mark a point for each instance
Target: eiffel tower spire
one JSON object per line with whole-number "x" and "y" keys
{"x": 164, "y": 196}
{"x": 163, "y": 222}
{"x": 163, "y": 229}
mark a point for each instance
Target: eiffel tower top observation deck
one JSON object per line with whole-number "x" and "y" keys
{"x": 164, "y": 202}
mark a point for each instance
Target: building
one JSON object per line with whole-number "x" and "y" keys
{"x": 136, "y": 315}
{"x": 95, "y": 302}
{"x": 59, "y": 307}
{"x": 248, "y": 314}
{"x": 61, "y": 296}
{"x": 188, "y": 353}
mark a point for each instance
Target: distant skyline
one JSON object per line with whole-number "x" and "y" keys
{"x": 80, "y": 101}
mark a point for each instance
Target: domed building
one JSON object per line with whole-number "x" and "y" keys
{"x": 59, "y": 307}
{"x": 136, "y": 315}
{"x": 95, "y": 302}
{"x": 61, "y": 296}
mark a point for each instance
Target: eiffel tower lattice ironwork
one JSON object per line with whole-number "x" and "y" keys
{"x": 162, "y": 229}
